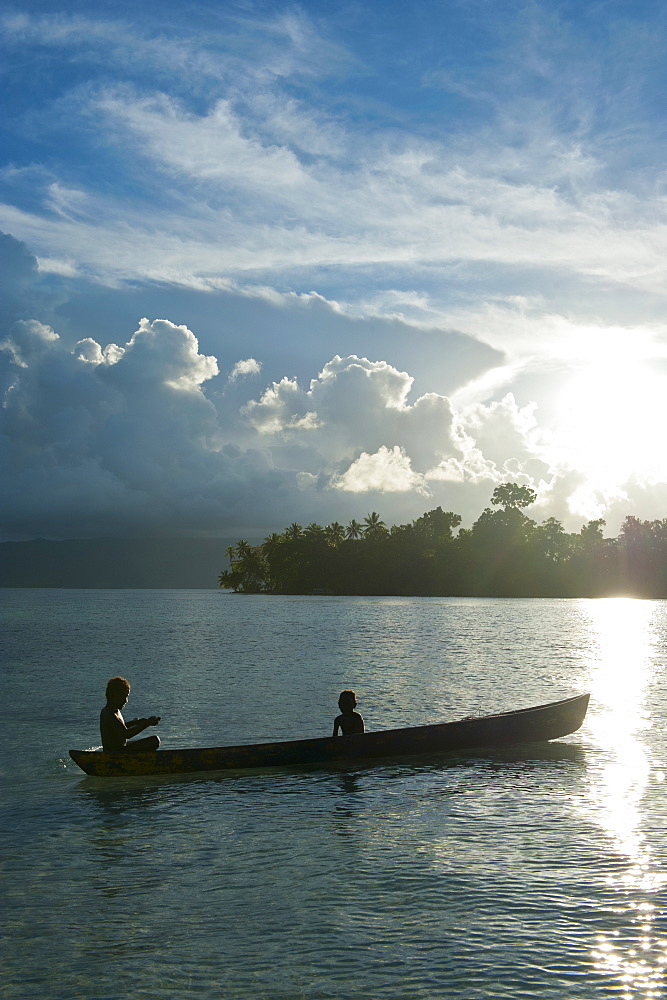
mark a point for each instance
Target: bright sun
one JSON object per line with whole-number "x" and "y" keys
{"x": 612, "y": 423}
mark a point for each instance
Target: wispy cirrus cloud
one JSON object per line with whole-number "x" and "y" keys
{"x": 292, "y": 186}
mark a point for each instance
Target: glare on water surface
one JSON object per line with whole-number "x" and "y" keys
{"x": 624, "y": 650}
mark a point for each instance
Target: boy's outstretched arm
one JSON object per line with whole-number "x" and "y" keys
{"x": 137, "y": 726}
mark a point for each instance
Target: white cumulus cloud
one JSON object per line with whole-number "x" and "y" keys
{"x": 389, "y": 470}
{"x": 247, "y": 366}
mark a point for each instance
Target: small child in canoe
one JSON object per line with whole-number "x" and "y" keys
{"x": 348, "y": 721}
{"x": 114, "y": 730}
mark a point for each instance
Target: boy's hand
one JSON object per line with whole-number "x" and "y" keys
{"x": 153, "y": 721}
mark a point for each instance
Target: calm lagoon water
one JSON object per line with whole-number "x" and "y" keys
{"x": 533, "y": 872}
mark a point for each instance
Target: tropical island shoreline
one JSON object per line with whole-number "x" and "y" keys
{"x": 504, "y": 554}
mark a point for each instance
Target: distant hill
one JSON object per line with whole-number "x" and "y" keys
{"x": 182, "y": 563}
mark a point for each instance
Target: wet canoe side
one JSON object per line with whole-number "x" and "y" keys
{"x": 528, "y": 725}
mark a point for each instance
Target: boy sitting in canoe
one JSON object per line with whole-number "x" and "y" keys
{"x": 348, "y": 721}
{"x": 114, "y": 730}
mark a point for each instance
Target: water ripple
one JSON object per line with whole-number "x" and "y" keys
{"x": 535, "y": 872}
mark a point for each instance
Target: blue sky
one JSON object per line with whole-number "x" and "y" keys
{"x": 268, "y": 262}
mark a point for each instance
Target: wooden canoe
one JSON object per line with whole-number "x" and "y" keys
{"x": 527, "y": 725}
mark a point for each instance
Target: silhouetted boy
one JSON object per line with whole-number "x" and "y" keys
{"x": 114, "y": 730}
{"x": 348, "y": 721}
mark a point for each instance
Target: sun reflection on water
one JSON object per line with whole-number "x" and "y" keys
{"x": 622, "y": 645}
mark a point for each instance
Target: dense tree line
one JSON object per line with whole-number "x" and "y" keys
{"x": 504, "y": 554}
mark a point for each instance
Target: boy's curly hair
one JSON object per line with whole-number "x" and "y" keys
{"x": 117, "y": 686}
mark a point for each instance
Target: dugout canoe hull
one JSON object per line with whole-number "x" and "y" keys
{"x": 526, "y": 725}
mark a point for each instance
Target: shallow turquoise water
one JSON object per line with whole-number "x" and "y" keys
{"x": 531, "y": 872}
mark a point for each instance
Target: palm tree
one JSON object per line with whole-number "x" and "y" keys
{"x": 294, "y": 531}
{"x": 243, "y": 548}
{"x": 354, "y": 530}
{"x": 271, "y": 542}
{"x": 335, "y": 533}
{"x": 253, "y": 570}
{"x": 374, "y": 525}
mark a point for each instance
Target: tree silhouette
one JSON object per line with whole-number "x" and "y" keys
{"x": 335, "y": 534}
{"x": 504, "y": 553}
{"x": 513, "y": 496}
{"x": 354, "y": 530}
{"x": 374, "y": 525}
